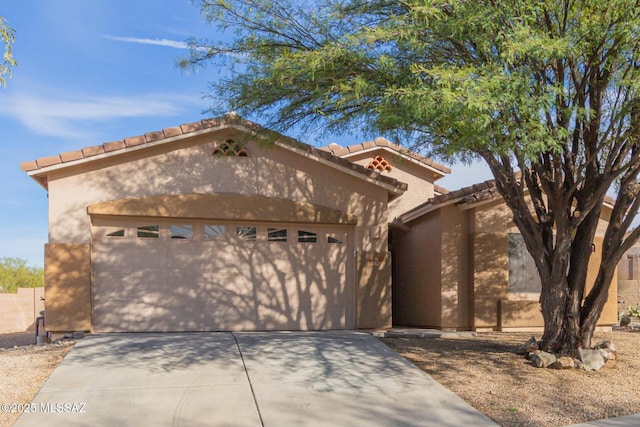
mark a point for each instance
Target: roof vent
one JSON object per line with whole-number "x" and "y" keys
{"x": 380, "y": 164}
{"x": 230, "y": 148}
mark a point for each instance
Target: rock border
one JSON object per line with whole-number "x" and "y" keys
{"x": 590, "y": 359}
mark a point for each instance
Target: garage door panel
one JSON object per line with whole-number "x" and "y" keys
{"x": 127, "y": 287}
{"x": 223, "y": 284}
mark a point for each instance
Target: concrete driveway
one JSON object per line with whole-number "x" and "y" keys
{"x": 242, "y": 379}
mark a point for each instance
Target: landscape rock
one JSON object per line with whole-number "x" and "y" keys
{"x": 606, "y": 354}
{"x": 592, "y": 359}
{"x": 625, "y": 321}
{"x": 530, "y": 346}
{"x": 605, "y": 345}
{"x": 564, "y": 363}
{"x": 542, "y": 359}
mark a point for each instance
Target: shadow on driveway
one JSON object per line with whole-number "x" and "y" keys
{"x": 243, "y": 379}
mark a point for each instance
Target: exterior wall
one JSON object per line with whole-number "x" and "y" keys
{"x": 431, "y": 286}
{"x": 19, "y": 311}
{"x": 420, "y": 181}
{"x": 374, "y": 290}
{"x": 188, "y": 167}
{"x": 490, "y": 266}
{"x": 67, "y": 276}
{"x": 629, "y": 280}
{"x": 417, "y": 287}
{"x": 516, "y": 315}
{"x": 454, "y": 272}
{"x": 494, "y": 307}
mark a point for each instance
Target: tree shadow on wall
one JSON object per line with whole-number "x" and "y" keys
{"x": 296, "y": 289}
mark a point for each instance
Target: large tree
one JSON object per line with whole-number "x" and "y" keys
{"x": 7, "y": 34}
{"x": 15, "y": 273}
{"x": 545, "y": 91}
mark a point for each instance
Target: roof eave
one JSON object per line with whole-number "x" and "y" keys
{"x": 40, "y": 169}
{"x": 394, "y": 190}
{"x": 439, "y": 174}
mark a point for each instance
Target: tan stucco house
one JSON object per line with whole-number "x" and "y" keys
{"x": 220, "y": 225}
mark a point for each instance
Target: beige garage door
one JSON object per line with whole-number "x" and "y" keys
{"x": 152, "y": 275}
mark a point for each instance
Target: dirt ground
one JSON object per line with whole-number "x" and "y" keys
{"x": 485, "y": 371}
{"x": 24, "y": 368}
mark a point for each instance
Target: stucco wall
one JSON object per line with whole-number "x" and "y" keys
{"x": 374, "y": 290}
{"x": 18, "y": 311}
{"x": 420, "y": 180}
{"x": 417, "y": 297}
{"x": 67, "y": 277}
{"x": 454, "y": 269}
{"x": 629, "y": 280}
{"x": 188, "y": 167}
{"x": 494, "y": 307}
{"x": 490, "y": 261}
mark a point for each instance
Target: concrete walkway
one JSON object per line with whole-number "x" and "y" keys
{"x": 243, "y": 379}
{"x": 628, "y": 421}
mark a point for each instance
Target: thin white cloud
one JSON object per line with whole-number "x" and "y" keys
{"x": 74, "y": 117}
{"x": 154, "y": 42}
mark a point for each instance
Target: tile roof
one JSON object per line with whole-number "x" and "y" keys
{"x": 476, "y": 193}
{"x": 439, "y": 189}
{"x": 383, "y": 142}
{"x": 87, "y": 153}
{"x": 472, "y": 194}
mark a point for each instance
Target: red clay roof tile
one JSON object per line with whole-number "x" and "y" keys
{"x": 194, "y": 127}
{"x": 93, "y": 151}
{"x": 172, "y": 131}
{"x": 354, "y": 148}
{"x": 368, "y": 144}
{"x": 210, "y": 123}
{"x": 43, "y": 162}
{"x": 191, "y": 127}
{"x": 114, "y": 146}
{"x": 70, "y": 156}
{"x": 133, "y": 141}
{"x": 382, "y": 142}
{"x": 339, "y": 152}
{"x": 154, "y": 136}
{"x": 28, "y": 166}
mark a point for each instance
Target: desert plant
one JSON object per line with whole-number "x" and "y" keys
{"x": 634, "y": 311}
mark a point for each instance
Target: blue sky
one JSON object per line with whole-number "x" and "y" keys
{"x": 93, "y": 71}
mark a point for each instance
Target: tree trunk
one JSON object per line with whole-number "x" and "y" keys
{"x": 561, "y": 316}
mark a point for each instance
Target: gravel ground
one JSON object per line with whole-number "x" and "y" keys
{"x": 485, "y": 371}
{"x": 24, "y": 368}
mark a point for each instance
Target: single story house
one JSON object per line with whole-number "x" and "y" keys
{"x": 223, "y": 225}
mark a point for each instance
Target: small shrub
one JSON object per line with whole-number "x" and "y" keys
{"x": 634, "y": 311}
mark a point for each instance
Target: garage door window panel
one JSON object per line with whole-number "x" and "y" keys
{"x": 117, "y": 233}
{"x": 149, "y": 232}
{"x": 335, "y": 239}
{"x": 182, "y": 232}
{"x": 214, "y": 232}
{"x": 247, "y": 233}
{"x": 277, "y": 234}
{"x": 307, "y": 236}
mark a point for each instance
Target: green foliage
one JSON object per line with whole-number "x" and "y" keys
{"x": 7, "y": 34}
{"x": 634, "y": 311}
{"x": 460, "y": 76}
{"x": 545, "y": 91}
{"x": 15, "y": 273}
